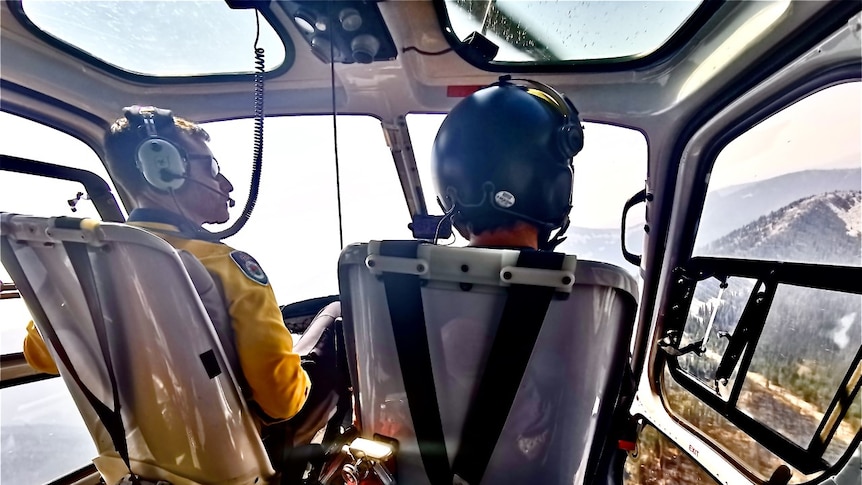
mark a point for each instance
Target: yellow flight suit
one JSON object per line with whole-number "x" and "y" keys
{"x": 264, "y": 347}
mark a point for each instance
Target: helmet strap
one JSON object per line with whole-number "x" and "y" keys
{"x": 547, "y": 243}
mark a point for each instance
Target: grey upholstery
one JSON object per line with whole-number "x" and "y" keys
{"x": 570, "y": 385}
{"x": 184, "y": 416}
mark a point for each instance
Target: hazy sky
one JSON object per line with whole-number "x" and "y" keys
{"x": 820, "y": 131}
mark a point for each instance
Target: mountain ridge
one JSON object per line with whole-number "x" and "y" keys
{"x": 726, "y": 210}
{"x": 732, "y": 207}
{"x": 822, "y": 228}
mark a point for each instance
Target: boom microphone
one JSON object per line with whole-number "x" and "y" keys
{"x": 168, "y": 176}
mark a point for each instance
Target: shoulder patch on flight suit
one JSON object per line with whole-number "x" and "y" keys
{"x": 249, "y": 267}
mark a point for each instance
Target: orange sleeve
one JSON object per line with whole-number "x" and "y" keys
{"x": 36, "y": 352}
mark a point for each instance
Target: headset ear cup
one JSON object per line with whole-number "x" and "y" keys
{"x": 572, "y": 133}
{"x": 161, "y": 164}
{"x": 570, "y": 139}
{"x": 559, "y": 188}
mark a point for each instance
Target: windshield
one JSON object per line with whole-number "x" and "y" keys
{"x": 187, "y": 38}
{"x": 543, "y": 31}
{"x": 294, "y": 229}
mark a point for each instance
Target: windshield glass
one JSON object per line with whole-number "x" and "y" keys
{"x": 293, "y": 233}
{"x": 294, "y": 229}
{"x": 160, "y": 38}
{"x": 548, "y": 31}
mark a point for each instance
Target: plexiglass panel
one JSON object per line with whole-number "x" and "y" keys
{"x": 43, "y": 437}
{"x": 543, "y": 31}
{"x": 712, "y": 318}
{"x": 808, "y": 344}
{"x": 160, "y": 38}
{"x": 790, "y": 188}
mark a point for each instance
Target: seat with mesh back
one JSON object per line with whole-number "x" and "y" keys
{"x": 112, "y": 293}
{"x": 562, "y": 410}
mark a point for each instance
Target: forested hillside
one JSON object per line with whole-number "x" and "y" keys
{"x": 732, "y": 207}
{"x": 821, "y": 229}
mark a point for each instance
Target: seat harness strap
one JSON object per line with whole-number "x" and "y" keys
{"x": 78, "y": 256}
{"x": 112, "y": 419}
{"x": 404, "y": 298}
{"x": 510, "y": 353}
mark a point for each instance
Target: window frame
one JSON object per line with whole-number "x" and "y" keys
{"x": 820, "y": 276}
{"x": 97, "y": 188}
{"x": 771, "y": 274}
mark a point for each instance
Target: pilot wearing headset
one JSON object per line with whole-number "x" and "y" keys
{"x": 174, "y": 183}
{"x": 502, "y": 163}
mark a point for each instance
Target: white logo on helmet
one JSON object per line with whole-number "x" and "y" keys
{"x": 504, "y": 199}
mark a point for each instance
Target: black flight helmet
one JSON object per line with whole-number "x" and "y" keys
{"x": 508, "y": 148}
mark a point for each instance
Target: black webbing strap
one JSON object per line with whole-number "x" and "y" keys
{"x": 112, "y": 419}
{"x": 510, "y": 353}
{"x": 404, "y": 298}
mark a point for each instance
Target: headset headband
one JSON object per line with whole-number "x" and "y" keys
{"x": 570, "y": 138}
{"x": 566, "y": 107}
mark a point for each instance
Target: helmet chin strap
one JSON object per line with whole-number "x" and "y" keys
{"x": 546, "y": 243}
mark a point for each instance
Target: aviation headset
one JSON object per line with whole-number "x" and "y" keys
{"x": 570, "y": 136}
{"x": 163, "y": 164}
{"x": 509, "y": 148}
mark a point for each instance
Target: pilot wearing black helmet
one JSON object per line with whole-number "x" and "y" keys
{"x": 502, "y": 166}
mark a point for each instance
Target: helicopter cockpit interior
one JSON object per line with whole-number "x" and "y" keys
{"x": 701, "y": 324}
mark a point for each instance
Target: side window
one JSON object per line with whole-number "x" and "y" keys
{"x": 773, "y": 350}
{"x": 789, "y": 188}
{"x": 30, "y": 194}
{"x": 43, "y": 436}
{"x": 34, "y": 195}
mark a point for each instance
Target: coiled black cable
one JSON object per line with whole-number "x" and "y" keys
{"x": 257, "y": 165}
{"x": 335, "y": 136}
